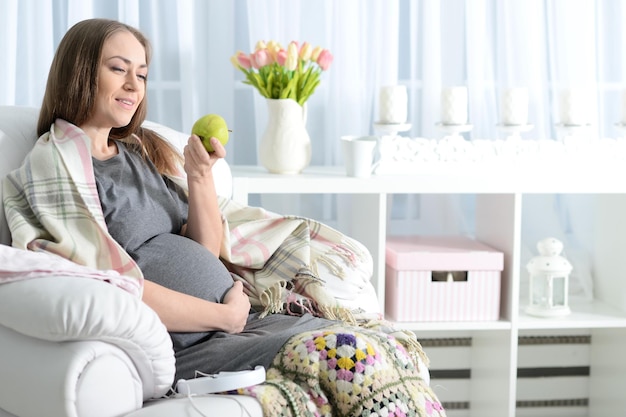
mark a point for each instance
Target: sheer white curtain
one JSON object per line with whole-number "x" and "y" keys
{"x": 487, "y": 45}
{"x": 26, "y": 52}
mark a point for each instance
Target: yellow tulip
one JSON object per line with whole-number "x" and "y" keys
{"x": 305, "y": 51}
{"x": 260, "y": 45}
{"x": 233, "y": 60}
{"x": 292, "y": 57}
{"x": 316, "y": 53}
{"x": 273, "y": 48}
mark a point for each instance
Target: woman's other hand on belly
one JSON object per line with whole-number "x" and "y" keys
{"x": 238, "y": 305}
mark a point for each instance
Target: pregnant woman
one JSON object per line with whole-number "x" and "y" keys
{"x": 103, "y": 191}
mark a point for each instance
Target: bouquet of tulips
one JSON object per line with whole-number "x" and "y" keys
{"x": 280, "y": 73}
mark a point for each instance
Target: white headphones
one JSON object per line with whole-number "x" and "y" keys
{"x": 221, "y": 382}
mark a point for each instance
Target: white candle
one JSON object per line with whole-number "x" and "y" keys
{"x": 454, "y": 106}
{"x": 393, "y": 104}
{"x": 514, "y": 106}
{"x": 574, "y": 107}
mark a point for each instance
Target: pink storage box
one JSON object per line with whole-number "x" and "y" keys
{"x": 448, "y": 278}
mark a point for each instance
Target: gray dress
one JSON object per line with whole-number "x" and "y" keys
{"x": 144, "y": 212}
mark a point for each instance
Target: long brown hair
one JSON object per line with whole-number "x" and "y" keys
{"x": 73, "y": 85}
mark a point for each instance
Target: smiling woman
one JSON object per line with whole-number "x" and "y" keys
{"x": 98, "y": 81}
{"x": 76, "y": 80}
{"x": 121, "y": 89}
{"x": 109, "y": 204}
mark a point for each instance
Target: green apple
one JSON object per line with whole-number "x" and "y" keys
{"x": 208, "y": 126}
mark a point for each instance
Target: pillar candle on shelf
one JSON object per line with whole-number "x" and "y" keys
{"x": 454, "y": 106}
{"x": 393, "y": 104}
{"x": 574, "y": 107}
{"x": 514, "y": 106}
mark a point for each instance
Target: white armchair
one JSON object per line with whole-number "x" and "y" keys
{"x": 71, "y": 346}
{"x": 79, "y": 347}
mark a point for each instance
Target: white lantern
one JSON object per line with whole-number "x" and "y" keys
{"x": 549, "y": 280}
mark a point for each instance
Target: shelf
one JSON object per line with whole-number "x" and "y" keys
{"x": 500, "y": 189}
{"x": 594, "y": 315}
{"x": 446, "y": 326}
{"x": 434, "y": 178}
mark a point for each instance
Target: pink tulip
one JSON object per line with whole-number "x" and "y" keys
{"x": 262, "y": 58}
{"x": 253, "y": 61}
{"x": 324, "y": 59}
{"x": 292, "y": 56}
{"x": 281, "y": 57}
{"x": 244, "y": 60}
{"x": 300, "y": 64}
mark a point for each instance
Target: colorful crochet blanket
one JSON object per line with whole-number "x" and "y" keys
{"x": 344, "y": 371}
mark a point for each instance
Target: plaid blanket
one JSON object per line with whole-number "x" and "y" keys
{"x": 278, "y": 256}
{"x": 52, "y": 205}
{"x": 17, "y": 264}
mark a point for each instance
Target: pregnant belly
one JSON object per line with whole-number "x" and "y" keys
{"x": 181, "y": 264}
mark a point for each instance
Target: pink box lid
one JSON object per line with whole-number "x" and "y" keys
{"x": 441, "y": 253}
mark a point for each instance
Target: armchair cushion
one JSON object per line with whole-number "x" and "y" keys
{"x": 61, "y": 308}
{"x": 68, "y": 379}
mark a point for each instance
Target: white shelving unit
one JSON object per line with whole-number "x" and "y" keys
{"x": 362, "y": 214}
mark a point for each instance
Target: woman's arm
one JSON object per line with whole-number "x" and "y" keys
{"x": 204, "y": 221}
{"x": 185, "y": 313}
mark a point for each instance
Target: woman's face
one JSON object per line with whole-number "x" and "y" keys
{"x": 121, "y": 81}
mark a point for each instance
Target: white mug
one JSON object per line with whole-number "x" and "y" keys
{"x": 358, "y": 153}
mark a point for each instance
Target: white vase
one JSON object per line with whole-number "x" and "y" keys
{"x": 285, "y": 147}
